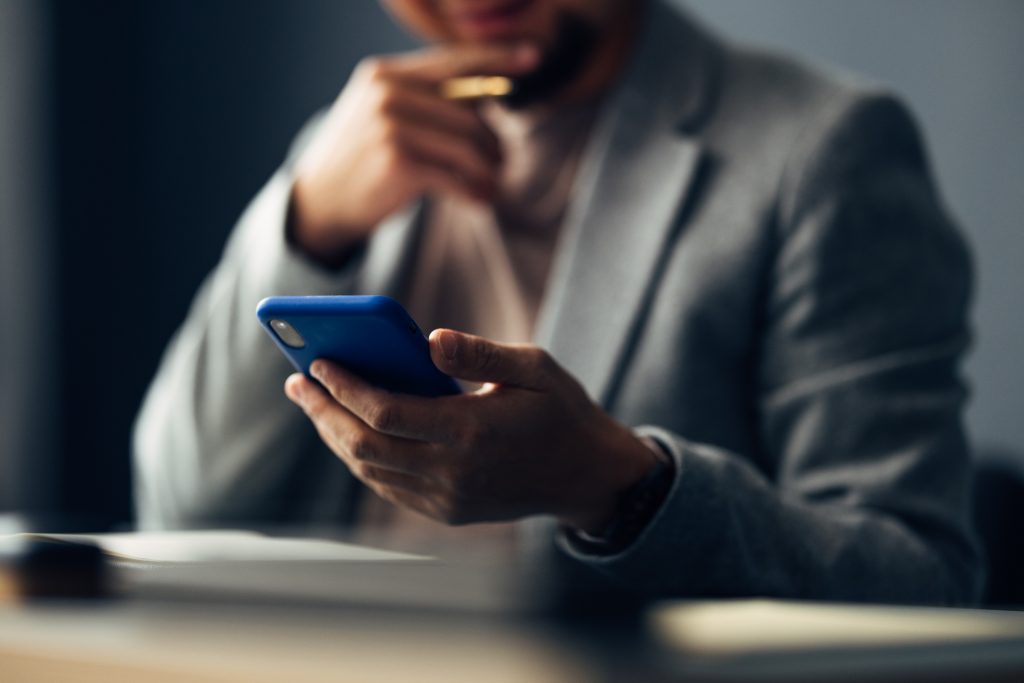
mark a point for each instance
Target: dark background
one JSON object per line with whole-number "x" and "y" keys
{"x": 170, "y": 115}
{"x": 133, "y": 134}
{"x": 163, "y": 118}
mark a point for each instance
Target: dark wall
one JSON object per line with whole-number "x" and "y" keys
{"x": 169, "y": 116}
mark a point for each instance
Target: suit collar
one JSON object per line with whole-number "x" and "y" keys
{"x": 674, "y": 68}
{"x": 630, "y": 190}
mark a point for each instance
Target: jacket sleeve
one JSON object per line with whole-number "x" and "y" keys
{"x": 861, "y": 487}
{"x": 216, "y": 440}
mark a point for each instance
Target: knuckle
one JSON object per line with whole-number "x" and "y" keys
{"x": 332, "y": 392}
{"x": 381, "y": 417}
{"x": 364, "y": 472}
{"x": 372, "y": 68}
{"x": 542, "y": 360}
{"x": 360, "y": 446}
{"x": 385, "y": 98}
{"x": 373, "y": 473}
{"x": 488, "y": 355}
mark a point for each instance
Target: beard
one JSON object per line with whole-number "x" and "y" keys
{"x": 574, "y": 45}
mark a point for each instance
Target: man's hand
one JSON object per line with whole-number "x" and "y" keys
{"x": 529, "y": 442}
{"x": 391, "y": 137}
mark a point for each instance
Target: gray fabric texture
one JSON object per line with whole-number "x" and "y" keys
{"x": 756, "y": 270}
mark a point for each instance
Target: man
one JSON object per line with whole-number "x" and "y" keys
{"x": 747, "y": 302}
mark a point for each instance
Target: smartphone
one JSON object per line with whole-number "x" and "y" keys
{"x": 372, "y": 336}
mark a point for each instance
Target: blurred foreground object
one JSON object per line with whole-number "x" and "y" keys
{"x": 41, "y": 568}
{"x": 998, "y": 511}
{"x": 144, "y": 640}
{"x": 252, "y": 607}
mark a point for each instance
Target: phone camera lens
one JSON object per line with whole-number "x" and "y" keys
{"x": 287, "y": 334}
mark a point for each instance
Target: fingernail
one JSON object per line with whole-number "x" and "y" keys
{"x": 317, "y": 369}
{"x": 449, "y": 345}
{"x": 295, "y": 389}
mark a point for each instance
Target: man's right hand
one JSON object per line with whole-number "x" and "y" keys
{"x": 391, "y": 137}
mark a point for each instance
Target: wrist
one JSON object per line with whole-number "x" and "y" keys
{"x": 634, "y": 458}
{"x": 322, "y": 241}
{"x": 634, "y": 510}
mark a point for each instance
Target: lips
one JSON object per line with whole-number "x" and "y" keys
{"x": 493, "y": 20}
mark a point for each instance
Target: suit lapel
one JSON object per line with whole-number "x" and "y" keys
{"x": 633, "y": 180}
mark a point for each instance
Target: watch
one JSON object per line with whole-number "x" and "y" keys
{"x": 635, "y": 508}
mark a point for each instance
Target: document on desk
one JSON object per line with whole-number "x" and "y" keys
{"x": 744, "y": 626}
{"x": 787, "y": 641}
{"x": 222, "y": 546}
{"x": 213, "y": 565}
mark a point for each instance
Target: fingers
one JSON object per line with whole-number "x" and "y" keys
{"x": 406, "y": 473}
{"x": 391, "y": 137}
{"x": 430, "y": 111}
{"x": 477, "y": 359}
{"x": 454, "y": 153}
{"x": 438, "y": 145}
{"x": 396, "y": 487}
{"x": 441, "y": 146}
{"x": 406, "y": 498}
{"x": 399, "y": 415}
{"x": 363, "y": 449}
{"x": 436, "y": 64}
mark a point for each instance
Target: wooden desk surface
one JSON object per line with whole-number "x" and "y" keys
{"x": 154, "y": 642}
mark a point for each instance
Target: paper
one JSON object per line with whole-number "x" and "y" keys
{"x": 222, "y": 546}
{"x": 768, "y": 625}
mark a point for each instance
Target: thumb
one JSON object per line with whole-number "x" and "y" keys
{"x": 477, "y": 359}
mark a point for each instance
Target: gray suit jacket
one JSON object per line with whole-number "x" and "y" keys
{"x": 756, "y": 270}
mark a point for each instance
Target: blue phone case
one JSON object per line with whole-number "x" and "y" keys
{"x": 372, "y": 336}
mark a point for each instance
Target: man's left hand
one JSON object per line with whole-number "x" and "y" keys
{"x": 528, "y": 442}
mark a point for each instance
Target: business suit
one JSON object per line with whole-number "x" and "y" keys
{"x": 755, "y": 271}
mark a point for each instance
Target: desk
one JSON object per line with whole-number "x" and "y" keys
{"x": 154, "y": 643}
{"x": 157, "y": 642}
